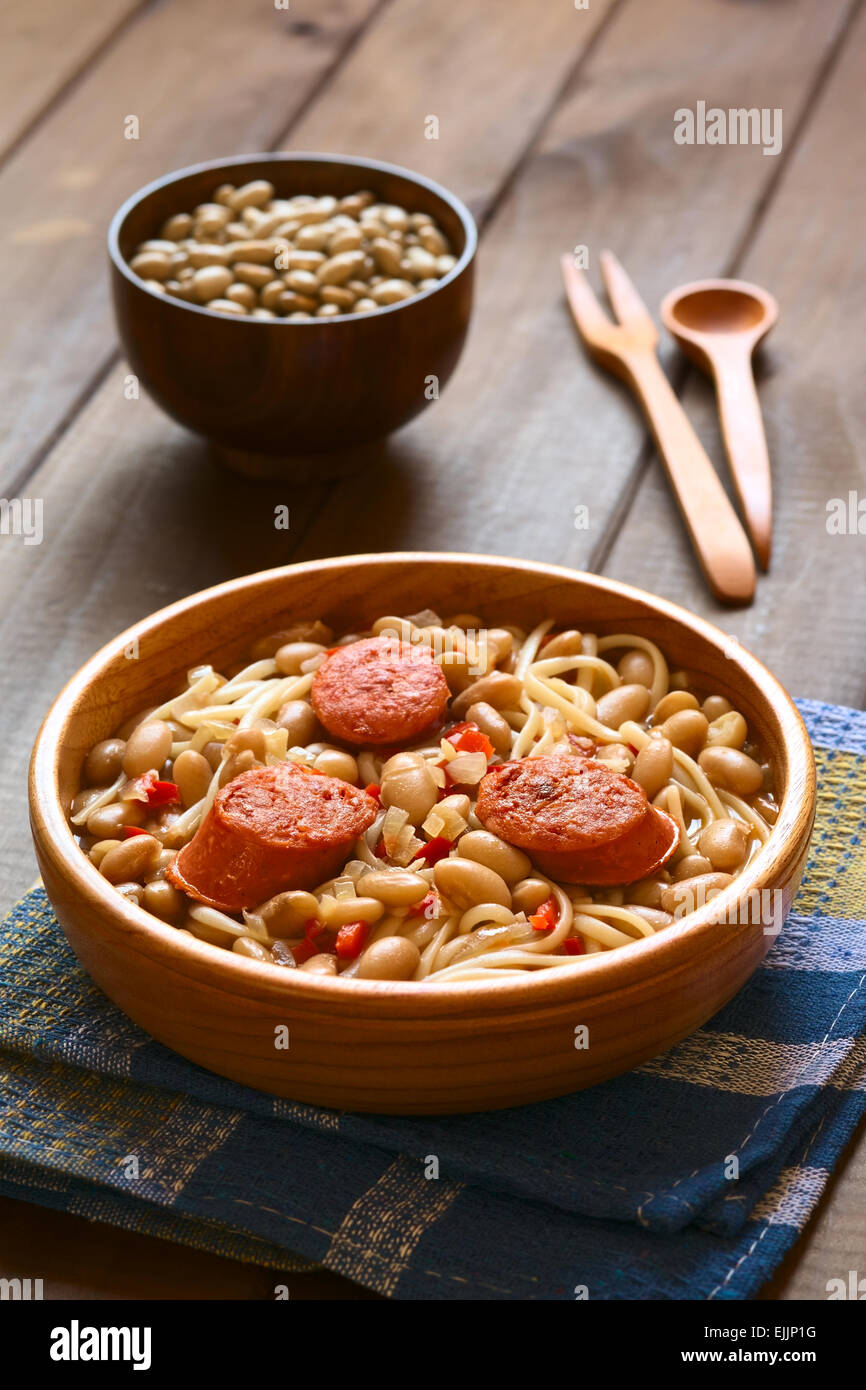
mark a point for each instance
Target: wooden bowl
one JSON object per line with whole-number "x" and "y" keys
{"x": 383, "y": 1046}
{"x": 279, "y": 389}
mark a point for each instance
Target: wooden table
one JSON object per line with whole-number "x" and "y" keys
{"x": 556, "y": 125}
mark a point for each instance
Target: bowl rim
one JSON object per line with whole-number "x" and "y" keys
{"x": 594, "y": 975}
{"x": 456, "y": 204}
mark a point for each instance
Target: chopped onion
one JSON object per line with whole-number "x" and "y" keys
{"x": 467, "y": 768}
{"x": 434, "y": 825}
{"x": 394, "y": 821}
{"x": 344, "y": 888}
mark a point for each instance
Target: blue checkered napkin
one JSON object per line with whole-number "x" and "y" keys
{"x": 623, "y": 1189}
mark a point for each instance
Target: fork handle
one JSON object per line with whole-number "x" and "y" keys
{"x": 719, "y": 540}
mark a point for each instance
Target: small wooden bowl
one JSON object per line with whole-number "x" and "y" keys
{"x": 274, "y": 390}
{"x": 402, "y": 1048}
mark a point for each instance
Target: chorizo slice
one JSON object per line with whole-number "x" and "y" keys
{"x": 379, "y": 691}
{"x": 579, "y": 821}
{"x": 268, "y": 830}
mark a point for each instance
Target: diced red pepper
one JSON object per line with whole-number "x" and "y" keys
{"x": 130, "y": 830}
{"x": 317, "y": 941}
{"x": 375, "y": 791}
{"x": 435, "y": 849}
{"x": 546, "y": 916}
{"x": 468, "y": 738}
{"x": 573, "y": 946}
{"x": 420, "y": 908}
{"x": 351, "y": 939}
{"x": 149, "y": 789}
{"x": 379, "y": 850}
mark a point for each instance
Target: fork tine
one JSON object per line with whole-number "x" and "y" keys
{"x": 588, "y": 314}
{"x": 627, "y": 303}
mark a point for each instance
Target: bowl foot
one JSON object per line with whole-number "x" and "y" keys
{"x": 299, "y": 468}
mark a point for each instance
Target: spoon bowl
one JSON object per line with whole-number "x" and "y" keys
{"x": 718, "y": 324}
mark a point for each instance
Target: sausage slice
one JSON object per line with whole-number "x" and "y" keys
{"x": 580, "y": 822}
{"x": 271, "y": 829}
{"x": 379, "y": 691}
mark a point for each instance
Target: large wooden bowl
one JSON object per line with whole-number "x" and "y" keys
{"x": 403, "y": 1048}
{"x": 274, "y": 389}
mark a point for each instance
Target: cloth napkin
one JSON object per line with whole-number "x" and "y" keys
{"x": 622, "y": 1191}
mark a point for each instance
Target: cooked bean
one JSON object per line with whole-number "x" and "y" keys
{"x": 673, "y": 703}
{"x": 625, "y": 702}
{"x": 244, "y": 295}
{"x": 131, "y": 859}
{"x": 647, "y": 893}
{"x": 715, "y": 706}
{"x": 458, "y": 802}
{"x": 339, "y": 912}
{"x": 393, "y": 887}
{"x": 204, "y": 254}
{"x": 337, "y": 295}
{"x": 163, "y": 901}
{"x": 131, "y": 891}
{"x": 340, "y": 268}
{"x": 498, "y": 689}
{"x": 731, "y": 770}
{"x": 654, "y": 765}
{"x": 528, "y": 895}
{"x": 392, "y": 291}
{"x": 465, "y": 883}
{"x": 177, "y": 227}
{"x": 320, "y": 965}
{"x": 107, "y": 822}
{"x": 690, "y": 866}
{"x": 728, "y": 730}
{"x": 192, "y": 772}
{"x": 335, "y": 763}
{"x": 491, "y": 723}
{"x": 392, "y": 958}
{"x": 299, "y": 720}
{"x": 724, "y": 842}
{"x": 487, "y": 849}
{"x": 104, "y": 762}
{"x": 386, "y": 254}
{"x": 636, "y": 668}
{"x": 213, "y": 752}
{"x": 211, "y": 282}
{"x": 85, "y": 798}
{"x": 686, "y": 730}
{"x": 247, "y": 739}
{"x": 693, "y": 893}
{"x": 287, "y": 913}
{"x": 412, "y": 788}
{"x": 226, "y": 306}
{"x": 151, "y": 265}
{"x": 567, "y": 643}
{"x": 97, "y": 852}
{"x": 256, "y": 194}
{"x": 147, "y": 748}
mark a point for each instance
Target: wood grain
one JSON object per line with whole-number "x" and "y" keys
{"x": 807, "y": 621}
{"x": 44, "y": 46}
{"x": 54, "y": 297}
{"x": 533, "y": 430}
{"x": 392, "y": 1047}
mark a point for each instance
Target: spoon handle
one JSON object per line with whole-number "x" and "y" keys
{"x": 746, "y": 445}
{"x": 719, "y": 540}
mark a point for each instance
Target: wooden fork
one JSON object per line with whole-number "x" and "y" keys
{"x": 628, "y": 348}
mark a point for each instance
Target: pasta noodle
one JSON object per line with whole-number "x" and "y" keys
{"x": 552, "y": 704}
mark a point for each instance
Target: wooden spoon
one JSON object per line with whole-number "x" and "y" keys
{"x": 718, "y": 324}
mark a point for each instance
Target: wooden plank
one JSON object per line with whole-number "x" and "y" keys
{"x": 529, "y": 430}
{"x": 44, "y": 47}
{"x": 198, "y": 89}
{"x": 806, "y": 623}
{"x": 57, "y": 301}
{"x": 493, "y": 465}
